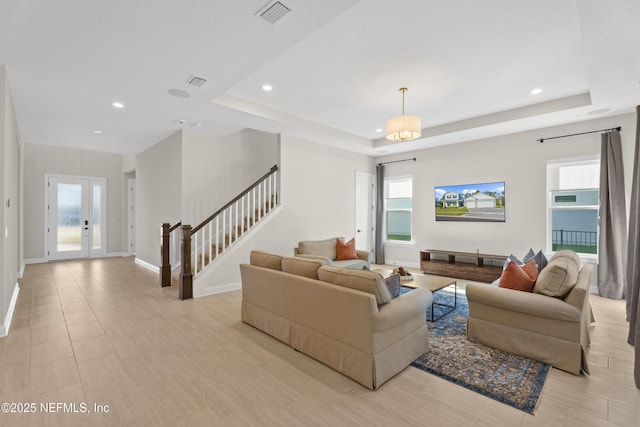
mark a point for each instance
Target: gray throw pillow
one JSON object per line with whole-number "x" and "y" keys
{"x": 541, "y": 261}
{"x": 511, "y": 258}
{"x": 393, "y": 284}
{"x": 539, "y": 258}
{"x": 529, "y": 256}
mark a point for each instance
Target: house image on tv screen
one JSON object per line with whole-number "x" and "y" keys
{"x": 453, "y": 199}
{"x": 471, "y": 202}
{"x": 480, "y": 200}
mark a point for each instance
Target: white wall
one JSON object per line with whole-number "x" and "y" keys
{"x": 518, "y": 160}
{"x": 45, "y": 159}
{"x": 10, "y": 249}
{"x": 318, "y": 189}
{"x": 158, "y": 194}
{"x": 188, "y": 176}
{"x": 318, "y": 201}
{"x": 217, "y": 169}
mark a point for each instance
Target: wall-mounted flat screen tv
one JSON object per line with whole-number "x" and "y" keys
{"x": 471, "y": 202}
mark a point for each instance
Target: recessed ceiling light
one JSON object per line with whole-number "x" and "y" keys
{"x": 178, "y": 93}
{"x": 97, "y": 131}
{"x": 598, "y": 111}
{"x": 536, "y": 91}
{"x": 118, "y": 104}
{"x": 267, "y": 87}
{"x": 379, "y": 130}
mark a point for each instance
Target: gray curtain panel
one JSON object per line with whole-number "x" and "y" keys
{"x": 379, "y": 247}
{"x": 633, "y": 253}
{"x": 612, "y": 258}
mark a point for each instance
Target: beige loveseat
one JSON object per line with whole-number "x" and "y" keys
{"x": 546, "y": 325}
{"x": 344, "y": 318}
{"x": 326, "y": 249}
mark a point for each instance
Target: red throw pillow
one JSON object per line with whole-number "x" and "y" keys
{"x": 518, "y": 278}
{"x": 347, "y": 250}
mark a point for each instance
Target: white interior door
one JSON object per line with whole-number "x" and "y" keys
{"x": 132, "y": 216}
{"x": 364, "y": 211}
{"x": 75, "y": 217}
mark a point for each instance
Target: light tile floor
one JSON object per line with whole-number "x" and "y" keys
{"x": 101, "y": 332}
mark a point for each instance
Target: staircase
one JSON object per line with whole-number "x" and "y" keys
{"x": 203, "y": 244}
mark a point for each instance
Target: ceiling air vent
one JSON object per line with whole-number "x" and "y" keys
{"x": 196, "y": 81}
{"x": 273, "y": 12}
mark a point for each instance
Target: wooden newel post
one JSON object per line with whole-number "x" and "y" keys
{"x": 165, "y": 266}
{"x": 186, "y": 277}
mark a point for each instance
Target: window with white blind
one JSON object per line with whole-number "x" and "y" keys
{"x": 573, "y": 205}
{"x": 398, "y": 208}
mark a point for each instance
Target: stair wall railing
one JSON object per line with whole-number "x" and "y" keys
{"x": 208, "y": 240}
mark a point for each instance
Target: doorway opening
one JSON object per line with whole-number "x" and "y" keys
{"x": 364, "y": 211}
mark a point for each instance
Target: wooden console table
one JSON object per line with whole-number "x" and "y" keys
{"x": 476, "y": 270}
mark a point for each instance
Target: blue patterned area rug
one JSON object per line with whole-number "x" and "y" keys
{"x": 513, "y": 380}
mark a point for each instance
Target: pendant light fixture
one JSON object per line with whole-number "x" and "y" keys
{"x": 403, "y": 128}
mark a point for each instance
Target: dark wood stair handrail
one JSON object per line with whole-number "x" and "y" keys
{"x": 273, "y": 169}
{"x": 186, "y": 275}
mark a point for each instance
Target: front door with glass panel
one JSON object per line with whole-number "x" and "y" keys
{"x": 75, "y": 217}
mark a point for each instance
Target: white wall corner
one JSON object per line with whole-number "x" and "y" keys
{"x": 21, "y": 272}
{"x": 4, "y": 328}
{"x": 146, "y": 265}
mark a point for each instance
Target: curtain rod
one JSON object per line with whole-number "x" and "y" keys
{"x": 541, "y": 140}
{"x": 397, "y": 161}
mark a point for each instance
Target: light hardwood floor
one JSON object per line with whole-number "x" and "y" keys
{"x": 102, "y": 332}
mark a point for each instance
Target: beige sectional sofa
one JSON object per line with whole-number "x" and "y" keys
{"x": 550, "y": 325}
{"x": 344, "y": 318}
{"x": 326, "y": 249}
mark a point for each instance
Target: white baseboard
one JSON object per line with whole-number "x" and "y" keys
{"x": 4, "y": 328}
{"x": 200, "y": 292}
{"x": 116, "y": 254}
{"x": 402, "y": 263}
{"x": 21, "y": 272}
{"x": 148, "y": 266}
{"x": 44, "y": 260}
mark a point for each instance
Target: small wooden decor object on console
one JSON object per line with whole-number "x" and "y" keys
{"x": 461, "y": 265}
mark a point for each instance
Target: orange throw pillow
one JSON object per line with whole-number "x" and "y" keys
{"x": 347, "y": 250}
{"x": 531, "y": 269}
{"x": 519, "y": 278}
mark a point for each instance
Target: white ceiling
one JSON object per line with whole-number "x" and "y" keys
{"x": 335, "y": 65}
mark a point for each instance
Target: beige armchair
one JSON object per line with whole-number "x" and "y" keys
{"x": 545, "y": 328}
